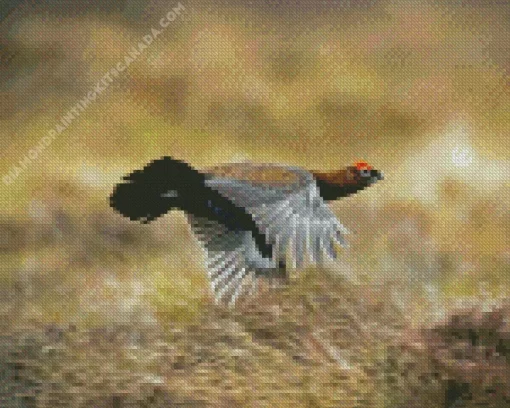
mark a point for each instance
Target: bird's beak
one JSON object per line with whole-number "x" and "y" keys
{"x": 376, "y": 177}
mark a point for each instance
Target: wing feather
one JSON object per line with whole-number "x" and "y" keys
{"x": 232, "y": 259}
{"x": 292, "y": 216}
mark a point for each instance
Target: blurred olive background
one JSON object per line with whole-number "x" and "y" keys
{"x": 419, "y": 89}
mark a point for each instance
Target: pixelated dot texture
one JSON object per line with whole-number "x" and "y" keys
{"x": 100, "y": 310}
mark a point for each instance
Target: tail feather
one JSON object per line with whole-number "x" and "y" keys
{"x": 162, "y": 185}
{"x": 167, "y": 184}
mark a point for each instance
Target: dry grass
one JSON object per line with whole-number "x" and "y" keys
{"x": 97, "y": 311}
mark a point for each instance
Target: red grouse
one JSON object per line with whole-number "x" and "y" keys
{"x": 250, "y": 218}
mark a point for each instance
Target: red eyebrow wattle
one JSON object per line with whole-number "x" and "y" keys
{"x": 360, "y": 165}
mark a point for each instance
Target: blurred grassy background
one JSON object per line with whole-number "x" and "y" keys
{"x": 419, "y": 89}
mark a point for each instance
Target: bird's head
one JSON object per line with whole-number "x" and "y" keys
{"x": 347, "y": 181}
{"x": 363, "y": 174}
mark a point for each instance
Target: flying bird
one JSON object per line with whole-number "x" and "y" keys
{"x": 250, "y": 218}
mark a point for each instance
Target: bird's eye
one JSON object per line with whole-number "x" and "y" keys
{"x": 364, "y": 172}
